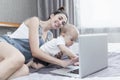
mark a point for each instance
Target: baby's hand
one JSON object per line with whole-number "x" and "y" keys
{"x": 76, "y": 64}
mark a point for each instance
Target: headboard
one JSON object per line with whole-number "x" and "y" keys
{"x": 9, "y": 24}
{"x": 8, "y": 27}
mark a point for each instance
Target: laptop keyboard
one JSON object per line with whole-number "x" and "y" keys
{"x": 76, "y": 71}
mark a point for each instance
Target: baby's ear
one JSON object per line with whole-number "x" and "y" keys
{"x": 52, "y": 15}
{"x": 63, "y": 34}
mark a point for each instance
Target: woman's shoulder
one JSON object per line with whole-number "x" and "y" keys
{"x": 32, "y": 20}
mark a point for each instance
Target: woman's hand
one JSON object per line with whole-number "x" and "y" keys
{"x": 73, "y": 61}
{"x": 66, "y": 63}
{"x": 76, "y": 61}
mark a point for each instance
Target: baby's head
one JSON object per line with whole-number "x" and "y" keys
{"x": 70, "y": 34}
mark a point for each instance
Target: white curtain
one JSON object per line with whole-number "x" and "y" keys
{"x": 46, "y": 7}
{"x": 98, "y": 16}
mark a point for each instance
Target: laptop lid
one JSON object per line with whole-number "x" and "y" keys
{"x": 92, "y": 53}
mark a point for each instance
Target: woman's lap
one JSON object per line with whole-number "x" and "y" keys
{"x": 8, "y": 51}
{"x": 11, "y": 59}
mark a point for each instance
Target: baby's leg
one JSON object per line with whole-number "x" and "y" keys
{"x": 37, "y": 65}
{"x": 24, "y": 70}
{"x": 59, "y": 55}
{"x": 34, "y": 65}
{"x": 30, "y": 63}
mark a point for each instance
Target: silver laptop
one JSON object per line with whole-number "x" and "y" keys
{"x": 92, "y": 56}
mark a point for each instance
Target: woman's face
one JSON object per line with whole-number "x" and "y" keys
{"x": 58, "y": 21}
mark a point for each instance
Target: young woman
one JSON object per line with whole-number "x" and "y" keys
{"x": 59, "y": 46}
{"x": 24, "y": 43}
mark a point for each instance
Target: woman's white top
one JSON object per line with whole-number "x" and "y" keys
{"x": 21, "y": 33}
{"x": 51, "y": 47}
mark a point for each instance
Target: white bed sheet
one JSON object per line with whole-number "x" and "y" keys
{"x": 37, "y": 76}
{"x": 114, "y": 47}
{"x": 110, "y": 73}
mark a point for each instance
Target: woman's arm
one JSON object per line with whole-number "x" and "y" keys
{"x": 33, "y": 24}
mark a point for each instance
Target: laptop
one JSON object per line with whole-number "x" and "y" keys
{"x": 92, "y": 56}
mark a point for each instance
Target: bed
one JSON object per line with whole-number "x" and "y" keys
{"x": 110, "y": 73}
{"x": 9, "y": 24}
{"x": 8, "y": 27}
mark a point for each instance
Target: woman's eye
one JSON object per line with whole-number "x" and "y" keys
{"x": 72, "y": 40}
{"x": 60, "y": 18}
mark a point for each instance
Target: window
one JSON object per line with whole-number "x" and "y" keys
{"x": 97, "y": 13}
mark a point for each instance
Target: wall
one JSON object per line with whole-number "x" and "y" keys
{"x": 113, "y": 33}
{"x": 17, "y": 10}
{"x": 6, "y": 30}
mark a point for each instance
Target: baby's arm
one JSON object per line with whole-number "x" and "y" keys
{"x": 67, "y": 51}
{"x": 73, "y": 57}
